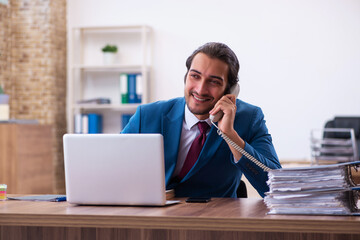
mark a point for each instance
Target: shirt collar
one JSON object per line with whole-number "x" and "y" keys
{"x": 191, "y": 120}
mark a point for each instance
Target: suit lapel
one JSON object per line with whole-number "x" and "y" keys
{"x": 171, "y": 131}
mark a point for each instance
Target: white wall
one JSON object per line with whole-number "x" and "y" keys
{"x": 300, "y": 59}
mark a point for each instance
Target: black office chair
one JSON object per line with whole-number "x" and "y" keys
{"x": 241, "y": 192}
{"x": 346, "y": 122}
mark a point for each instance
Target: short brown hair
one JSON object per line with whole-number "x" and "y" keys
{"x": 222, "y": 52}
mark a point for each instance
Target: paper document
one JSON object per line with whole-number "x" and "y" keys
{"x": 325, "y": 189}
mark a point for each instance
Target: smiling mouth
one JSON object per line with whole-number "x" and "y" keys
{"x": 200, "y": 99}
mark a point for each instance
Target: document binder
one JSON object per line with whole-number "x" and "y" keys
{"x": 324, "y": 189}
{"x": 47, "y": 198}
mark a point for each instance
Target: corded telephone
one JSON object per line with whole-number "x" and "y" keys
{"x": 233, "y": 90}
{"x": 215, "y": 118}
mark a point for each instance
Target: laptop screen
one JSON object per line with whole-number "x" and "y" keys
{"x": 114, "y": 169}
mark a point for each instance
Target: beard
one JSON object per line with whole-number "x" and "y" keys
{"x": 196, "y": 108}
{"x": 199, "y": 111}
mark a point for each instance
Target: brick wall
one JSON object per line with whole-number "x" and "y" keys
{"x": 34, "y": 39}
{"x": 5, "y": 44}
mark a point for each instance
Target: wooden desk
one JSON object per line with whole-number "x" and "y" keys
{"x": 218, "y": 219}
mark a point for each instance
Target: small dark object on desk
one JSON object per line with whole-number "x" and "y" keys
{"x": 198, "y": 199}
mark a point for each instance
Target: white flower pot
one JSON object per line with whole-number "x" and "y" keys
{"x": 109, "y": 58}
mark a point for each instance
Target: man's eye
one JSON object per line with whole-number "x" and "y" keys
{"x": 216, "y": 82}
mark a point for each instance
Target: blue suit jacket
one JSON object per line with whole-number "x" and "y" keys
{"x": 214, "y": 174}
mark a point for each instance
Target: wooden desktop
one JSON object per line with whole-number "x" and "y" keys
{"x": 219, "y": 219}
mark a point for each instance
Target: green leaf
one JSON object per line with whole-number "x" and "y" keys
{"x": 109, "y": 48}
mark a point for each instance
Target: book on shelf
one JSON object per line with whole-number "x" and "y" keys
{"x": 130, "y": 88}
{"x": 124, "y": 97}
{"x": 95, "y": 123}
{"x": 318, "y": 190}
{"x": 78, "y": 123}
{"x": 84, "y": 123}
{"x": 88, "y": 123}
{"x": 139, "y": 89}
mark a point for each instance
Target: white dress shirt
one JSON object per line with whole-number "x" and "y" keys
{"x": 188, "y": 134}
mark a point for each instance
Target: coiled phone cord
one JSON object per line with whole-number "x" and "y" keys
{"x": 240, "y": 150}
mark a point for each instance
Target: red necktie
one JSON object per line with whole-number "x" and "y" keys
{"x": 195, "y": 150}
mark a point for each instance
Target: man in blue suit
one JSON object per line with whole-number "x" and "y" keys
{"x": 212, "y": 70}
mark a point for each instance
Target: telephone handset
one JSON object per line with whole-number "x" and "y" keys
{"x": 215, "y": 118}
{"x": 233, "y": 90}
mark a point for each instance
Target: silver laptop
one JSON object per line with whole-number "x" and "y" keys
{"x": 115, "y": 169}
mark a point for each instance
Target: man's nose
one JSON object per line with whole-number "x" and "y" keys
{"x": 202, "y": 88}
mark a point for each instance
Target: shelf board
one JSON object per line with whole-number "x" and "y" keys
{"x": 108, "y": 68}
{"x": 114, "y": 29}
{"x": 114, "y": 107}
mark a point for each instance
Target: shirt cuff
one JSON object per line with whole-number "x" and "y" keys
{"x": 235, "y": 160}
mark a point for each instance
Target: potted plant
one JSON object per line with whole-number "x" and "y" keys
{"x": 109, "y": 53}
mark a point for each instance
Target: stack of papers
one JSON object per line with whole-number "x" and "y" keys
{"x": 325, "y": 189}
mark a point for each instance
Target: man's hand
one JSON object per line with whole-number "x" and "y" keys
{"x": 226, "y": 123}
{"x": 226, "y": 104}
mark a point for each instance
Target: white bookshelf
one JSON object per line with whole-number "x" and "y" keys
{"x": 90, "y": 78}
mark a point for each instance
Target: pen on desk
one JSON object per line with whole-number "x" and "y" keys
{"x": 60, "y": 199}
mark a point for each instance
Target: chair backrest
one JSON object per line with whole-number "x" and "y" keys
{"x": 347, "y": 122}
{"x": 241, "y": 192}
